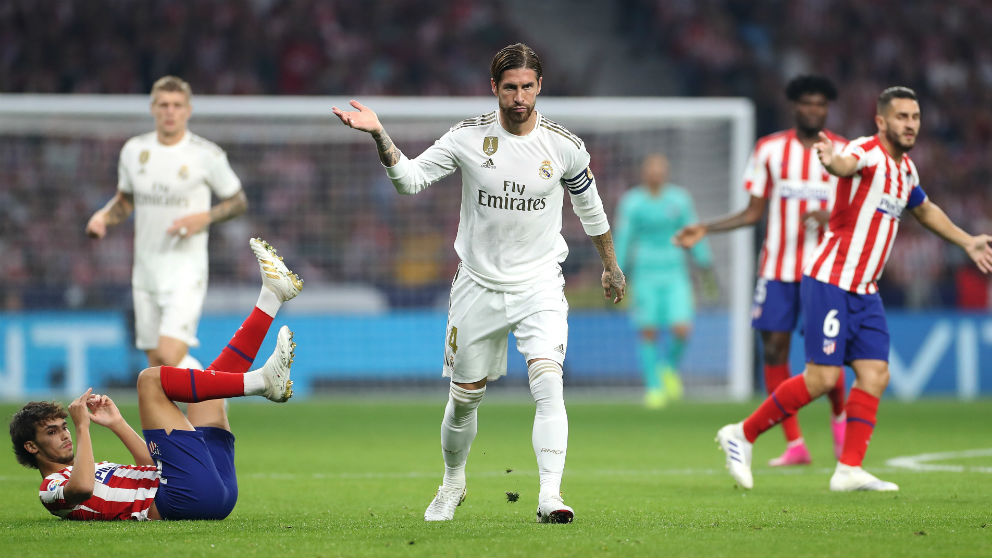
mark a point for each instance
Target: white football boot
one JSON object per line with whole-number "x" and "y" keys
{"x": 554, "y": 510}
{"x": 738, "y": 449}
{"x": 275, "y": 275}
{"x": 849, "y": 479}
{"x": 275, "y": 371}
{"x": 442, "y": 507}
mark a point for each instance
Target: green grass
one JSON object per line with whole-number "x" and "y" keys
{"x": 352, "y": 478}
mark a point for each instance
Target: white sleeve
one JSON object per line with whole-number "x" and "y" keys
{"x": 436, "y": 162}
{"x": 221, "y": 177}
{"x": 857, "y": 151}
{"x": 581, "y": 185}
{"x": 123, "y": 175}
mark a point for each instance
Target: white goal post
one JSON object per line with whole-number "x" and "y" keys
{"x": 707, "y": 141}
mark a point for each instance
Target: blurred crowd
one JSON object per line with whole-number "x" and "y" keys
{"x": 402, "y": 245}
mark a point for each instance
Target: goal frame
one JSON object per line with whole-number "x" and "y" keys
{"x": 739, "y": 112}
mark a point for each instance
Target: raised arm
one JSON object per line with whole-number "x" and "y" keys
{"x": 835, "y": 163}
{"x": 408, "y": 177}
{"x": 977, "y": 247}
{"x": 689, "y": 235}
{"x": 103, "y": 411}
{"x": 116, "y": 211}
{"x": 366, "y": 120}
{"x": 79, "y": 487}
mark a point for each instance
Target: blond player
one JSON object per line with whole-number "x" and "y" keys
{"x": 516, "y": 166}
{"x": 166, "y": 178}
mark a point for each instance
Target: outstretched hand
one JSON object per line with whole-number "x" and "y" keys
{"x": 825, "y": 149}
{"x": 688, "y": 236}
{"x": 981, "y": 253}
{"x": 364, "y": 119}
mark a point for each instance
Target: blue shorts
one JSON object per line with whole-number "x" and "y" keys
{"x": 661, "y": 303}
{"x": 842, "y": 326}
{"x": 776, "y": 305}
{"x": 198, "y": 479}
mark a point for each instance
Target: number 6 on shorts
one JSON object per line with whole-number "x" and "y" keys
{"x": 831, "y": 325}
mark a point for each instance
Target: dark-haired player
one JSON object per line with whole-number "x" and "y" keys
{"x": 184, "y": 466}
{"x": 516, "y": 167}
{"x": 843, "y": 317}
{"x": 785, "y": 176}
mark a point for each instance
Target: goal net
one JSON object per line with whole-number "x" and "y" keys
{"x": 377, "y": 265}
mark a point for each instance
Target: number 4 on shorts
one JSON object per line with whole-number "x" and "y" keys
{"x": 453, "y": 339}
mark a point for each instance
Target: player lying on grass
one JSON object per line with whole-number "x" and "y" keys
{"x": 184, "y": 466}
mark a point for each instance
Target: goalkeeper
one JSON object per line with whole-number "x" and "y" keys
{"x": 648, "y": 215}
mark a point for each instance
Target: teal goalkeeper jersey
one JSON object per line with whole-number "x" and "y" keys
{"x": 643, "y": 232}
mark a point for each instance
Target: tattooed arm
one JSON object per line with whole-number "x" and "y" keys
{"x": 614, "y": 282}
{"x": 115, "y": 212}
{"x": 408, "y": 177}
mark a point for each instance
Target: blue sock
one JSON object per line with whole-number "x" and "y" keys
{"x": 676, "y": 347}
{"x": 647, "y": 352}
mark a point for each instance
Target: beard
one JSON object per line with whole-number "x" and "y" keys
{"x": 897, "y": 140}
{"x": 68, "y": 460}
{"x": 518, "y": 118}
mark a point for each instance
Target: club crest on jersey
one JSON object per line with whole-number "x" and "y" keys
{"x": 143, "y": 156}
{"x": 183, "y": 172}
{"x": 829, "y": 346}
{"x": 546, "y": 171}
{"x": 490, "y": 144}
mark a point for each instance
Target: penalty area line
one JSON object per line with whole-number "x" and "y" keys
{"x": 923, "y": 461}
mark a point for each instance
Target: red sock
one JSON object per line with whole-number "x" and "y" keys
{"x": 775, "y": 374}
{"x": 190, "y": 385}
{"x": 861, "y": 410}
{"x": 789, "y": 397}
{"x": 240, "y": 352}
{"x": 836, "y": 395}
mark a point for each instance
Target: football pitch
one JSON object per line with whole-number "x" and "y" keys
{"x": 352, "y": 476}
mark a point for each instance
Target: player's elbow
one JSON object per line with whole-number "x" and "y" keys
{"x": 79, "y": 493}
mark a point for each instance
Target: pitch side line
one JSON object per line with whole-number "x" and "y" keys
{"x": 921, "y": 462}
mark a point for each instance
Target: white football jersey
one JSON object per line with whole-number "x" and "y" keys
{"x": 168, "y": 182}
{"x": 513, "y": 187}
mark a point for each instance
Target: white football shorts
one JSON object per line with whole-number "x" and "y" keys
{"x": 479, "y": 320}
{"x": 174, "y": 313}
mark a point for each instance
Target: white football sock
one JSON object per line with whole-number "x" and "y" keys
{"x": 458, "y": 430}
{"x": 550, "y": 436}
{"x": 188, "y": 361}
{"x": 268, "y": 302}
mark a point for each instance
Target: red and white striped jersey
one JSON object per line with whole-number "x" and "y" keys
{"x": 865, "y": 218}
{"x": 120, "y": 492}
{"x": 794, "y": 182}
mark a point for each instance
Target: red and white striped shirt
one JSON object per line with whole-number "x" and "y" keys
{"x": 120, "y": 492}
{"x": 865, "y": 218}
{"x": 794, "y": 182}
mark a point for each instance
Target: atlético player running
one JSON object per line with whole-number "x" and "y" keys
{"x": 843, "y": 318}
{"x": 784, "y": 175}
{"x": 516, "y": 166}
{"x": 184, "y": 466}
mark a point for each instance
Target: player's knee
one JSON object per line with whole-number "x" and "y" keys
{"x": 546, "y": 380}
{"x": 150, "y": 379}
{"x": 775, "y": 349}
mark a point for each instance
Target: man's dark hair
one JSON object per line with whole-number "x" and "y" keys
{"x": 515, "y": 57}
{"x": 801, "y": 85}
{"x": 896, "y": 92}
{"x": 24, "y": 424}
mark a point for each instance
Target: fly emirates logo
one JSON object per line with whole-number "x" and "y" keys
{"x": 512, "y": 198}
